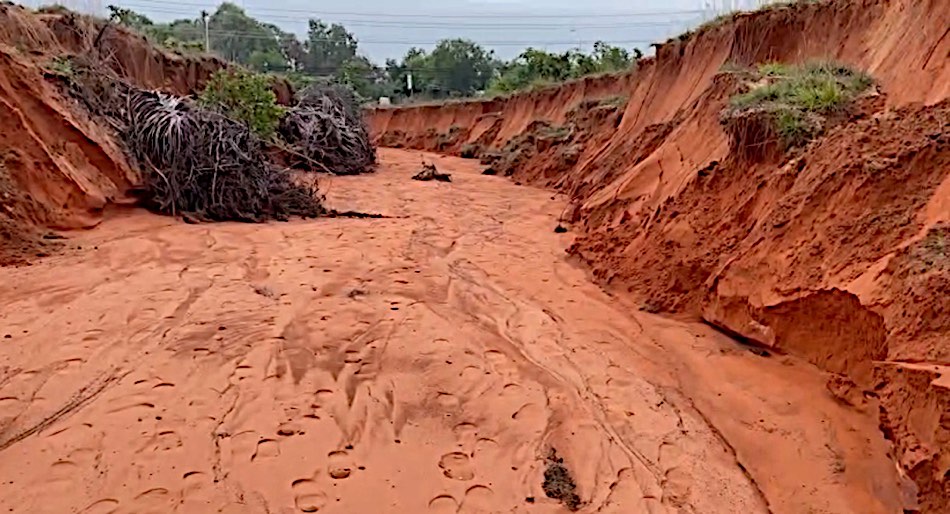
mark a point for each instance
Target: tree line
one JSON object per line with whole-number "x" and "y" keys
{"x": 329, "y": 52}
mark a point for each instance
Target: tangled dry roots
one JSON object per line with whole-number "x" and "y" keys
{"x": 328, "y": 131}
{"x": 197, "y": 163}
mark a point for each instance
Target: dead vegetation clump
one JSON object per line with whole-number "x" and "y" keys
{"x": 449, "y": 139}
{"x": 196, "y": 163}
{"x": 788, "y": 105}
{"x": 430, "y": 172}
{"x": 470, "y": 151}
{"x": 327, "y": 132}
{"x": 393, "y": 139}
{"x": 558, "y": 483}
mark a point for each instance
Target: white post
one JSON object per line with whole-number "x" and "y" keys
{"x": 204, "y": 18}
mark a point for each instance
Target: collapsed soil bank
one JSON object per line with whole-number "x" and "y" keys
{"x": 61, "y": 168}
{"x": 836, "y": 254}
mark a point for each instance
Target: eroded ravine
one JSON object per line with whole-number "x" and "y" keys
{"x": 425, "y": 362}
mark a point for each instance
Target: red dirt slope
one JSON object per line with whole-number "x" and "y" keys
{"x": 837, "y": 253}
{"x": 58, "y": 168}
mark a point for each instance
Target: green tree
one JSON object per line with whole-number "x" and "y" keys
{"x": 366, "y": 79}
{"x": 414, "y": 63}
{"x": 244, "y": 96}
{"x": 455, "y": 67}
{"x": 328, "y": 48}
{"x": 459, "y": 67}
{"x": 238, "y": 37}
{"x": 535, "y": 66}
{"x": 129, "y": 18}
{"x": 611, "y": 58}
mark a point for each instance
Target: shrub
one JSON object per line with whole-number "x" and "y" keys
{"x": 817, "y": 86}
{"x": 797, "y": 98}
{"x": 470, "y": 151}
{"x": 60, "y": 66}
{"x": 774, "y": 69}
{"x": 614, "y": 101}
{"x": 246, "y": 97}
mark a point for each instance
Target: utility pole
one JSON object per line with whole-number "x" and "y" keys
{"x": 204, "y": 18}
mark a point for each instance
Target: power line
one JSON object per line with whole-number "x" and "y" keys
{"x": 468, "y": 16}
{"x": 459, "y": 26}
{"x": 251, "y": 35}
{"x": 445, "y": 25}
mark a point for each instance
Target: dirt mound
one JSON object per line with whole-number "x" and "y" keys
{"x": 833, "y": 252}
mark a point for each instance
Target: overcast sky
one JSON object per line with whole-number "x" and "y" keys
{"x": 387, "y": 28}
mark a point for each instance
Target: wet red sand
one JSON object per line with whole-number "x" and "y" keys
{"x": 424, "y": 362}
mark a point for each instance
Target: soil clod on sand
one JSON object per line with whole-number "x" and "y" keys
{"x": 558, "y": 483}
{"x": 429, "y": 172}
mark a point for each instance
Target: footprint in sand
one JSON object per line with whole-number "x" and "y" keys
{"x": 322, "y": 397}
{"x": 530, "y": 413}
{"x": 512, "y": 390}
{"x": 63, "y": 471}
{"x": 157, "y": 499}
{"x": 500, "y": 363}
{"x": 457, "y": 466}
{"x": 266, "y": 448}
{"x": 447, "y": 400}
{"x": 339, "y": 464}
{"x": 104, "y": 506}
{"x": 307, "y": 495}
{"x": 352, "y": 357}
{"x": 443, "y": 504}
{"x": 195, "y": 484}
{"x": 466, "y": 434}
{"x": 478, "y": 498}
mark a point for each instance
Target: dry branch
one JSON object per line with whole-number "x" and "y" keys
{"x": 328, "y": 132}
{"x": 196, "y": 163}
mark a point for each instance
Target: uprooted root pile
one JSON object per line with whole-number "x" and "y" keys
{"x": 328, "y": 131}
{"x": 197, "y": 163}
{"x": 430, "y": 172}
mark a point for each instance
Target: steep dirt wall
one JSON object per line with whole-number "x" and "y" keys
{"x": 59, "y": 169}
{"x": 837, "y": 253}
{"x": 505, "y": 118}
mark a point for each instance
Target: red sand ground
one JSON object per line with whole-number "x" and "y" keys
{"x": 430, "y": 360}
{"x": 421, "y": 363}
{"x": 836, "y": 254}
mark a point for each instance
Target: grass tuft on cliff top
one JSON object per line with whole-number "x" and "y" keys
{"x": 796, "y": 95}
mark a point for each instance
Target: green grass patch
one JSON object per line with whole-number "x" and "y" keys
{"x": 614, "y": 101}
{"x": 799, "y": 97}
{"x": 820, "y": 87}
{"x": 61, "y": 66}
{"x": 775, "y": 69}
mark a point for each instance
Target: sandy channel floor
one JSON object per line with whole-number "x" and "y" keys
{"x": 426, "y": 362}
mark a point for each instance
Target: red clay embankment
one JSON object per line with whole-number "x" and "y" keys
{"x": 58, "y": 168}
{"x": 839, "y": 253}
